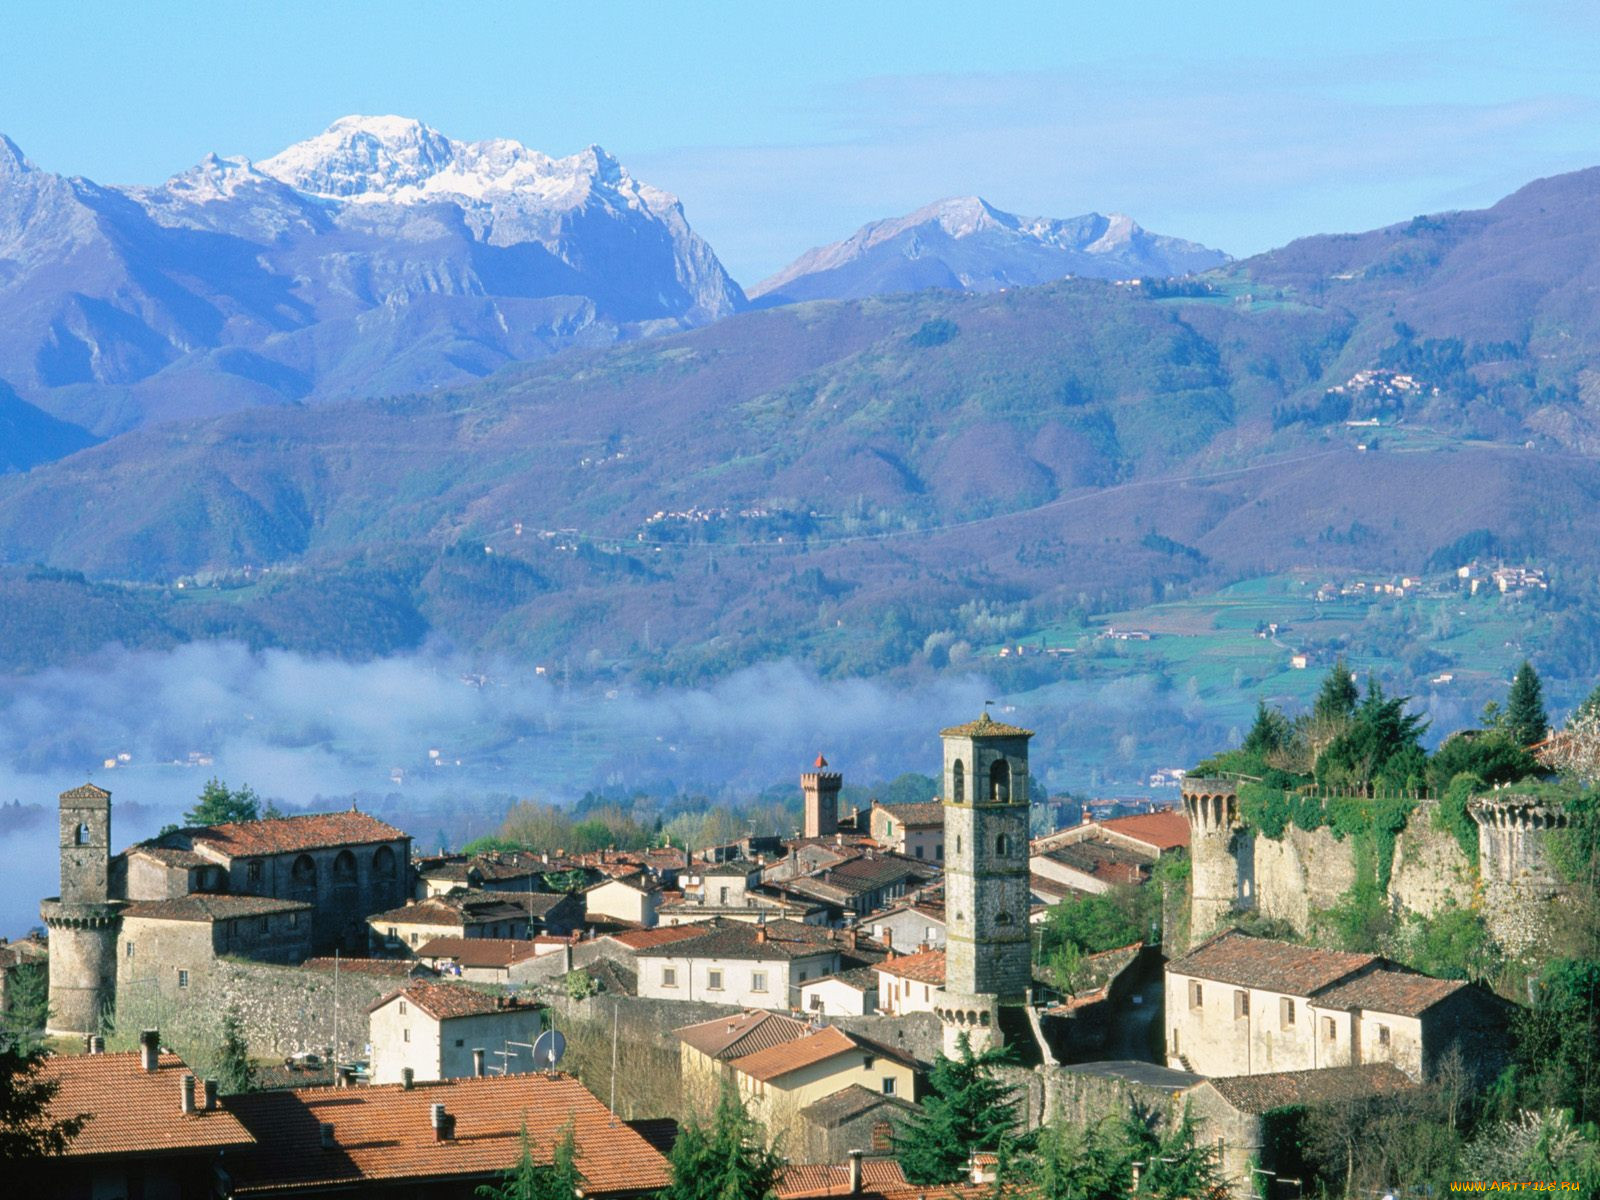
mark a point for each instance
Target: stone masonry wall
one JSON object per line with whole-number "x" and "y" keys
{"x": 1430, "y": 871}
{"x": 1289, "y": 877}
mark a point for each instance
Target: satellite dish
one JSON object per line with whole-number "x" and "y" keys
{"x": 548, "y": 1048}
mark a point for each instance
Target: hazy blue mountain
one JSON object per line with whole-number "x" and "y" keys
{"x": 379, "y": 256}
{"x": 966, "y": 244}
{"x": 29, "y": 436}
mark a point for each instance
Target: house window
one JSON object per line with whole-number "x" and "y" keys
{"x": 413, "y": 939}
{"x": 1329, "y": 1029}
{"x": 294, "y": 920}
{"x": 723, "y": 893}
{"x": 130, "y": 949}
{"x": 714, "y": 981}
{"x": 669, "y": 976}
{"x": 405, "y": 1035}
{"x": 460, "y": 1042}
{"x": 758, "y": 981}
{"x": 1383, "y": 1035}
{"x": 816, "y": 1002}
{"x": 1000, "y": 845}
{"x": 252, "y": 871}
{"x": 919, "y": 851}
{"x": 938, "y": 851}
{"x": 1175, "y": 1041}
{"x": 1194, "y": 994}
{"x": 183, "y": 979}
{"x": 402, "y": 1008}
{"x": 1241, "y": 1004}
{"x": 1285, "y": 1012}
{"x": 802, "y": 978}
{"x": 869, "y": 1062}
{"x": 888, "y": 1085}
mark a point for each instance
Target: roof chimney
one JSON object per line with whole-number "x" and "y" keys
{"x": 408, "y": 1077}
{"x": 761, "y": 933}
{"x": 97, "y": 1044}
{"x": 855, "y": 1172}
{"x": 343, "y": 1077}
{"x": 444, "y": 1125}
{"x": 210, "y": 1087}
{"x": 149, "y": 1049}
{"x": 325, "y": 1133}
{"x": 477, "y": 1063}
{"x": 186, "y": 1094}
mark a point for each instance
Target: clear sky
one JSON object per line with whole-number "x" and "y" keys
{"x": 786, "y": 125}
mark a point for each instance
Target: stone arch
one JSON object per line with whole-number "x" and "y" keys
{"x": 958, "y": 783}
{"x": 383, "y": 865}
{"x": 80, "y": 836}
{"x": 344, "y": 867}
{"x": 304, "y": 871}
{"x": 1000, "y": 781}
{"x": 1002, "y": 918}
{"x": 1002, "y": 845}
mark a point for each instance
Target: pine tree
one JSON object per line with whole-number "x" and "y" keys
{"x": 217, "y": 805}
{"x": 235, "y": 1072}
{"x": 529, "y": 1179}
{"x": 27, "y": 1006}
{"x": 1525, "y": 718}
{"x": 967, "y": 1109}
{"x": 729, "y": 1160}
{"x": 1339, "y": 695}
{"x": 26, "y": 1128}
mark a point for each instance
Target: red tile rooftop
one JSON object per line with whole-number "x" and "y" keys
{"x": 383, "y": 1136}
{"x": 926, "y": 966}
{"x": 444, "y": 1001}
{"x": 283, "y": 835}
{"x": 134, "y": 1111}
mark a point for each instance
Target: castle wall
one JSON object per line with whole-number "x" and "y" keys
{"x": 83, "y": 966}
{"x": 1296, "y": 874}
{"x": 1430, "y": 872}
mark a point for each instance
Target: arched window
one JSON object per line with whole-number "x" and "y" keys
{"x": 1002, "y": 918}
{"x": 344, "y": 867}
{"x": 1000, "y": 781}
{"x": 80, "y": 836}
{"x": 958, "y": 783}
{"x": 383, "y": 863}
{"x": 1001, "y": 846}
{"x": 304, "y": 871}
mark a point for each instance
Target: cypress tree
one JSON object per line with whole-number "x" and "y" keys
{"x": 1525, "y": 718}
{"x": 1339, "y": 695}
{"x": 531, "y": 1180}
{"x": 729, "y": 1160}
{"x": 967, "y": 1110}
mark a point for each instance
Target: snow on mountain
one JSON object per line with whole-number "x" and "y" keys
{"x": 379, "y": 255}
{"x": 967, "y": 244}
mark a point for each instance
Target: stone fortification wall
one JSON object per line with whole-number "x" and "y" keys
{"x": 1292, "y": 876}
{"x": 1431, "y": 873}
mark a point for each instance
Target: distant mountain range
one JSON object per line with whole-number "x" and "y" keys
{"x": 377, "y": 257}
{"x": 382, "y": 257}
{"x": 966, "y": 244}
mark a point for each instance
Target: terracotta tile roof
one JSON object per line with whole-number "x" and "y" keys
{"x": 421, "y": 912}
{"x": 751, "y": 942}
{"x": 915, "y": 816}
{"x": 480, "y": 952}
{"x": 1235, "y": 958}
{"x": 1102, "y": 860}
{"x": 927, "y": 966}
{"x": 848, "y": 1103}
{"x": 725, "y": 1038}
{"x": 1391, "y": 990}
{"x": 29, "y": 950}
{"x": 384, "y": 1135}
{"x": 284, "y": 835}
{"x": 662, "y": 935}
{"x": 871, "y": 871}
{"x": 985, "y": 726}
{"x": 205, "y": 906}
{"x": 800, "y": 1182}
{"x": 1053, "y": 887}
{"x": 1262, "y": 1093}
{"x": 134, "y": 1111}
{"x": 863, "y": 979}
{"x": 614, "y": 978}
{"x": 444, "y": 1001}
{"x": 1167, "y": 830}
{"x": 86, "y": 791}
{"x": 399, "y": 968}
{"x": 777, "y": 1061}
{"x": 172, "y": 856}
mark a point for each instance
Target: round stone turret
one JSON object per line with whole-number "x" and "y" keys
{"x": 1520, "y": 887}
{"x": 84, "y": 920}
{"x": 1212, "y": 806}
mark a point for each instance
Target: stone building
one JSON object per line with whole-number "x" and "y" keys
{"x": 986, "y": 792}
{"x": 909, "y": 983}
{"x": 819, "y": 800}
{"x": 172, "y": 945}
{"x": 1520, "y": 887}
{"x": 83, "y": 921}
{"x": 732, "y": 962}
{"x": 450, "y": 1031}
{"x": 1239, "y": 1005}
{"x": 915, "y": 830}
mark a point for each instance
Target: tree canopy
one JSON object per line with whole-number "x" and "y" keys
{"x": 26, "y": 1128}
{"x": 729, "y": 1159}
{"x": 1525, "y": 719}
{"x": 529, "y": 1179}
{"x": 218, "y": 805}
{"x": 967, "y": 1109}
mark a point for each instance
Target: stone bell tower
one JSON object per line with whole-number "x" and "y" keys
{"x": 84, "y": 920}
{"x": 819, "y": 791}
{"x": 987, "y": 949}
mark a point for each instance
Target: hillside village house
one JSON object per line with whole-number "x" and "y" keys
{"x": 910, "y": 983}
{"x": 173, "y": 944}
{"x": 516, "y": 915}
{"x": 632, "y": 899}
{"x": 849, "y": 993}
{"x": 915, "y": 830}
{"x": 706, "y": 1047}
{"x": 441, "y": 1139}
{"x": 1238, "y": 1005}
{"x": 863, "y": 884}
{"x": 343, "y": 865}
{"x": 487, "y": 960}
{"x": 752, "y": 966}
{"x": 777, "y": 1083}
{"x": 910, "y": 924}
{"x": 449, "y": 1031}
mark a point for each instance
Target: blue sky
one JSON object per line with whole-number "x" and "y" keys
{"x": 782, "y": 126}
